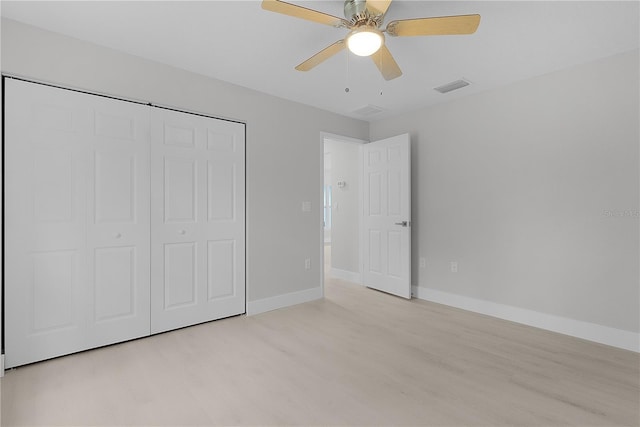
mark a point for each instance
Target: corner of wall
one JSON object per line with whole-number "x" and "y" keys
{"x": 282, "y": 301}
{"x": 349, "y": 276}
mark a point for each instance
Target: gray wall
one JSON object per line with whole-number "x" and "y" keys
{"x": 345, "y": 236}
{"x": 283, "y": 142}
{"x": 528, "y": 188}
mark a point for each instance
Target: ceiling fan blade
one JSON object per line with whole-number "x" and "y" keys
{"x": 444, "y": 25}
{"x": 321, "y": 56}
{"x": 378, "y": 7}
{"x": 386, "y": 64}
{"x": 303, "y": 13}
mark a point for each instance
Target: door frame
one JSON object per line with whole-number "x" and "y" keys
{"x": 348, "y": 140}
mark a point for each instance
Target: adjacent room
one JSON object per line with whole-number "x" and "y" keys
{"x": 360, "y": 212}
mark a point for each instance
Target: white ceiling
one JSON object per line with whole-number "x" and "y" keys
{"x": 239, "y": 42}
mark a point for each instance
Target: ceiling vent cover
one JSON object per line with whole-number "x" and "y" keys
{"x": 368, "y": 110}
{"x": 458, "y": 84}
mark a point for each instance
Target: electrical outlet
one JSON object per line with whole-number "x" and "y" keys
{"x": 423, "y": 262}
{"x": 454, "y": 266}
{"x": 307, "y": 263}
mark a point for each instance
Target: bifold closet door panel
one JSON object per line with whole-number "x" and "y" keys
{"x": 197, "y": 219}
{"x": 76, "y": 221}
{"x": 118, "y": 231}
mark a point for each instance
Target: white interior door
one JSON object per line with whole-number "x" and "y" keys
{"x": 76, "y": 222}
{"x": 386, "y": 221}
{"x": 197, "y": 219}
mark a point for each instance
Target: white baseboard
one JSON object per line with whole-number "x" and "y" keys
{"x": 281, "y": 301}
{"x": 575, "y": 328}
{"x": 349, "y": 276}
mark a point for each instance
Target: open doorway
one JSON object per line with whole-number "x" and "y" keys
{"x": 341, "y": 207}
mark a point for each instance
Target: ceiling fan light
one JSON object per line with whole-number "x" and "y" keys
{"x": 365, "y": 41}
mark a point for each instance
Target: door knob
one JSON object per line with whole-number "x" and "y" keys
{"x": 403, "y": 223}
{"x": 118, "y": 235}
{"x": 182, "y": 232}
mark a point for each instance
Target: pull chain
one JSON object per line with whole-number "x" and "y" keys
{"x": 346, "y": 89}
{"x": 381, "y": 76}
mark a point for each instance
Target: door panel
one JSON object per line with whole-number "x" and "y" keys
{"x": 114, "y": 125}
{"x": 179, "y": 136}
{"x": 387, "y": 205}
{"x": 179, "y": 274}
{"x": 118, "y": 229}
{"x": 115, "y": 282}
{"x": 76, "y": 218}
{"x": 221, "y": 260}
{"x": 55, "y": 286}
{"x": 197, "y": 219}
{"x": 180, "y": 189}
{"x": 375, "y": 194}
{"x": 53, "y": 185}
{"x": 45, "y": 218}
{"x": 394, "y": 252}
{"x": 221, "y": 176}
{"x": 394, "y": 193}
{"x": 115, "y": 196}
{"x": 375, "y": 251}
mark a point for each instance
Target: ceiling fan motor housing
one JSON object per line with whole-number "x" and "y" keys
{"x": 358, "y": 15}
{"x": 354, "y": 8}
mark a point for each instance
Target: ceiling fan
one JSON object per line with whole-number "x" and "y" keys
{"x": 366, "y": 38}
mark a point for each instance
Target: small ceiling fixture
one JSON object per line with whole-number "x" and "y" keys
{"x": 368, "y": 110}
{"x": 449, "y": 87}
{"x": 365, "y": 41}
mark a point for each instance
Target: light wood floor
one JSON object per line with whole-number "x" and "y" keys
{"x": 358, "y": 357}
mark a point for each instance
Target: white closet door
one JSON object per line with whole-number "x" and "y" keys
{"x": 76, "y": 220}
{"x": 118, "y": 221}
{"x": 197, "y": 219}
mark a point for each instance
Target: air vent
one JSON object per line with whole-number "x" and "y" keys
{"x": 368, "y": 110}
{"x": 458, "y": 84}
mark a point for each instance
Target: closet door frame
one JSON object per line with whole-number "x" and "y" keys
{"x": 106, "y": 234}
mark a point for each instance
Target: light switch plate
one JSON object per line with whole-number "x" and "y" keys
{"x": 454, "y": 266}
{"x": 306, "y": 206}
